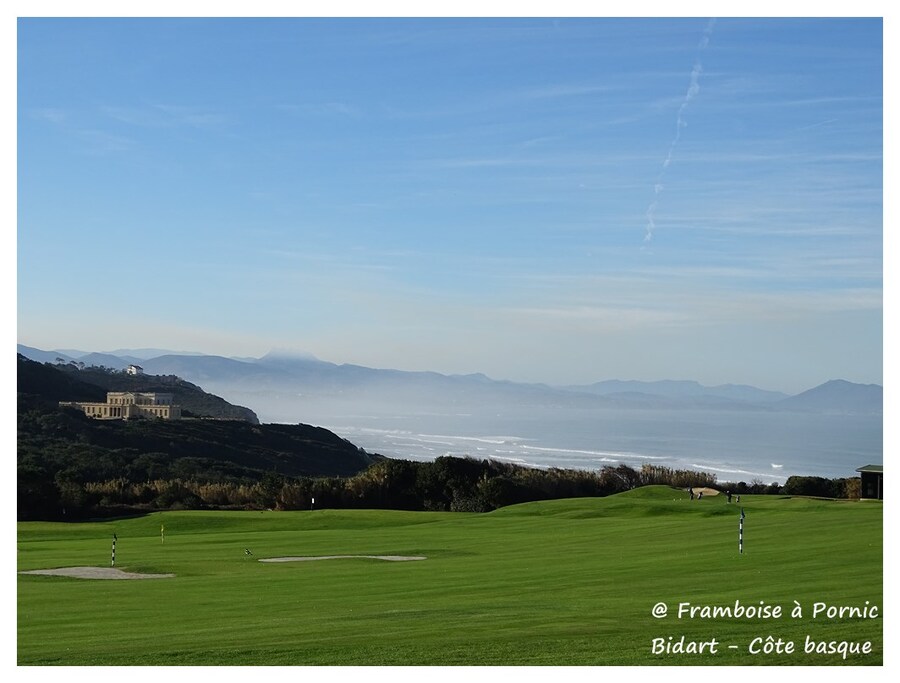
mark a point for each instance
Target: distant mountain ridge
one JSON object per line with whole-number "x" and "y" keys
{"x": 838, "y": 395}
{"x": 284, "y": 381}
{"x": 681, "y": 389}
{"x": 131, "y": 355}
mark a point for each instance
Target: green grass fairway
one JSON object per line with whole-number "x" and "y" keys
{"x": 550, "y": 583}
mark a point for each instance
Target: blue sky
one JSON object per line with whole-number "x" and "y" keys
{"x": 558, "y": 200}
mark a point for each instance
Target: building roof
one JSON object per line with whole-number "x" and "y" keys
{"x": 870, "y": 468}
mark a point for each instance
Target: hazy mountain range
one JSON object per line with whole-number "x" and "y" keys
{"x": 281, "y": 386}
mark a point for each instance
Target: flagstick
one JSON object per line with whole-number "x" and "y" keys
{"x": 112, "y": 562}
{"x": 741, "y": 533}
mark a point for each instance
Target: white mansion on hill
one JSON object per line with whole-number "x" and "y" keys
{"x": 123, "y": 405}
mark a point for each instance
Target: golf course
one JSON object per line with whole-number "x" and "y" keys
{"x": 646, "y": 577}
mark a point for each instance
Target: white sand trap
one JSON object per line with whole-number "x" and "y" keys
{"x": 96, "y": 573}
{"x": 389, "y": 558}
{"x": 706, "y": 491}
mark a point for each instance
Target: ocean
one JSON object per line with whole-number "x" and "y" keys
{"x": 734, "y": 445}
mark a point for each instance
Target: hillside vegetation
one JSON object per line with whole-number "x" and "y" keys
{"x": 61, "y": 452}
{"x": 69, "y": 382}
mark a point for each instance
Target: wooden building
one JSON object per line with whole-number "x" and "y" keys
{"x": 872, "y": 484}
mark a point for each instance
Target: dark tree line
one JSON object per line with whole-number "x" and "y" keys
{"x": 818, "y": 487}
{"x": 448, "y": 483}
{"x": 152, "y": 481}
{"x": 821, "y": 487}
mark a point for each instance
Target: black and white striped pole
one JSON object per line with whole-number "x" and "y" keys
{"x": 112, "y": 562}
{"x": 741, "y": 533}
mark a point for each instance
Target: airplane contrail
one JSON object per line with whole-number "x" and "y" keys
{"x": 680, "y": 123}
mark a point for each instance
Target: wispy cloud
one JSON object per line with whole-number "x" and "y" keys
{"x": 166, "y": 115}
{"x": 599, "y": 317}
{"x": 486, "y": 162}
{"x": 557, "y": 91}
{"x": 321, "y": 108}
{"x": 48, "y": 114}
{"x": 102, "y": 142}
{"x": 196, "y": 117}
{"x": 691, "y": 306}
{"x": 99, "y": 131}
{"x": 500, "y": 100}
{"x": 680, "y": 123}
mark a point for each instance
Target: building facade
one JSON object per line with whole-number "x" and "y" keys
{"x": 125, "y": 405}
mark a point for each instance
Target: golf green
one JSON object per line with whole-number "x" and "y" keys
{"x": 648, "y": 577}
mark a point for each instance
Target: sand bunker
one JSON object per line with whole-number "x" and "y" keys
{"x": 706, "y": 491}
{"x": 96, "y": 573}
{"x": 389, "y": 558}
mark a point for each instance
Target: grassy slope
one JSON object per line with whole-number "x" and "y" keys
{"x": 557, "y": 582}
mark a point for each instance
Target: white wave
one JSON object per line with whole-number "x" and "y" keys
{"x": 521, "y": 461}
{"x": 617, "y": 455}
{"x": 726, "y": 469}
{"x": 496, "y": 440}
{"x": 371, "y": 430}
